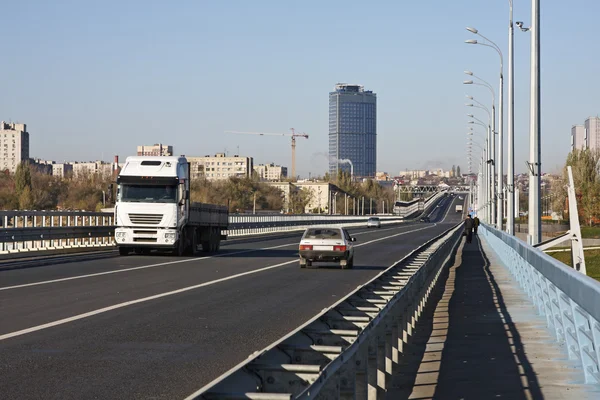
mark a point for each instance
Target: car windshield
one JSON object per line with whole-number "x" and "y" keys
{"x": 147, "y": 193}
{"x": 323, "y": 233}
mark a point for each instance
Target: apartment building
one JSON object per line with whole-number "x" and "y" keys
{"x": 81, "y": 169}
{"x": 578, "y": 139}
{"x": 62, "y": 170}
{"x": 155, "y": 150}
{"x": 592, "y": 132}
{"x": 220, "y": 167}
{"x": 586, "y": 136}
{"x": 14, "y": 145}
{"x": 270, "y": 172}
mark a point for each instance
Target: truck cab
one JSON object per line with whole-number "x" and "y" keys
{"x": 152, "y": 203}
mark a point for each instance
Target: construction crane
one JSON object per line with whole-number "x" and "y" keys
{"x": 293, "y": 135}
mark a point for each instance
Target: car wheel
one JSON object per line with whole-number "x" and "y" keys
{"x": 350, "y": 263}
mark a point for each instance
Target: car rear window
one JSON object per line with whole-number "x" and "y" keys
{"x": 373, "y": 219}
{"x": 323, "y": 233}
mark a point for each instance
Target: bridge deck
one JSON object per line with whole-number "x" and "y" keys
{"x": 481, "y": 338}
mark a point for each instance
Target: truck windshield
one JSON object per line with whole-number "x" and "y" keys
{"x": 148, "y": 193}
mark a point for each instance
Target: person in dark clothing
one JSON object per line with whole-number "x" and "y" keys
{"x": 475, "y": 224}
{"x": 468, "y": 228}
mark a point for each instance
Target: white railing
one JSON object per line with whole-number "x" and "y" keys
{"x": 570, "y": 300}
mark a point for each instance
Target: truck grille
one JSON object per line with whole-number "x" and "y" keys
{"x": 145, "y": 219}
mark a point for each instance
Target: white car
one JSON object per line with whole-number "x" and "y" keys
{"x": 326, "y": 244}
{"x": 373, "y": 222}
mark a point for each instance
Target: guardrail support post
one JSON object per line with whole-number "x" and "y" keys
{"x": 361, "y": 361}
{"x": 381, "y": 363}
{"x": 372, "y": 371}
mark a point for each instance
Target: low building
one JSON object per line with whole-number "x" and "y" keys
{"x": 156, "y": 150}
{"x": 81, "y": 169}
{"x": 220, "y": 167}
{"x": 271, "y": 172}
{"x": 62, "y": 170}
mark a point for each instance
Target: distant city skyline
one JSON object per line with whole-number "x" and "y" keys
{"x": 99, "y": 79}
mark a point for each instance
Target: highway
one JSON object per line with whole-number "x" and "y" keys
{"x": 155, "y": 327}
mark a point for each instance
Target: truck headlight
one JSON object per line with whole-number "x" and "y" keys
{"x": 170, "y": 235}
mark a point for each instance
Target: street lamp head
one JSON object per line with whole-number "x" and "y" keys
{"x": 468, "y": 72}
{"x": 471, "y": 41}
{"x": 469, "y": 104}
{"x": 472, "y": 30}
{"x": 470, "y": 115}
{"x": 468, "y": 82}
{"x": 469, "y": 133}
{"x": 471, "y": 122}
{"x": 469, "y": 97}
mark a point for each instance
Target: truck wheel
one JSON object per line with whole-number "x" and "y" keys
{"x": 123, "y": 251}
{"x": 181, "y": 245}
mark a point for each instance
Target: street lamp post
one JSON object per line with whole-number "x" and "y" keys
{"x": 535, "y": 167}
{"x": 500, "y": 159}
{"x": 492, "y": 140}
{"x": 484, "y": 205}
{"x": 510, "y": 173}
{"x": 489, "y": 185}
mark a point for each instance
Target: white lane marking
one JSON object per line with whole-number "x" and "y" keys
{"x": 170, "y": 293}
{"x": 117, "y": 271}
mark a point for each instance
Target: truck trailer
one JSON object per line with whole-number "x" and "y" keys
{"x": 153, "y": 209}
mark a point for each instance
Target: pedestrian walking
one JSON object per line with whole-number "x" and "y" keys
{"x": 475, "y": 224}
{"x": 468, "y": 232}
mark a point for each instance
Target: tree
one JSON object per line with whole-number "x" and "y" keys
{"x": 299, "y": 199}
{"x": 22, "y": 177}
{"x": 586, "y": 177}
{"x": 26, "y": 199}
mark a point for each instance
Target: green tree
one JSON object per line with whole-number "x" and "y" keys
{"x": 586, "y": 177}
{"x": 22, "y": 177}
{"x": 26, "y": 199}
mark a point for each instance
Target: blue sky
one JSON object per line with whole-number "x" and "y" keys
{"x": 94, "y": 79}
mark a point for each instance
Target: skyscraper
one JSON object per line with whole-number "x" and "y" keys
{"x": 353, "y": 130}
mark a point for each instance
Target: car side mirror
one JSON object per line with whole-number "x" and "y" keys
{"x": 353, "y": 239}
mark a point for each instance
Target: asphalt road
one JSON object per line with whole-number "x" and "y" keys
{"x": 161, "y": 327}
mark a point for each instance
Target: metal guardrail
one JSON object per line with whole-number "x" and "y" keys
{"x": 568, "y": 299}
{"x": 347, "y": 350}
{"x": 35, "y": 230}
{"x": 56, "y": 229}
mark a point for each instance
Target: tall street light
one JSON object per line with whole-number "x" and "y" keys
{"x": 489, "y": 183}
{"x": 492, "y": 141}
{"x": 510, "y": 173}
{"x": 535, "y": 163}
{"x": 500, "y": 202}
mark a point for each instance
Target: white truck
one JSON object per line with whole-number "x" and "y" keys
{"x": 459, "y": 208}
{"x": 153, "y": 209}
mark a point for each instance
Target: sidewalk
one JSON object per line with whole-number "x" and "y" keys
{"x": 481, "y": 338}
